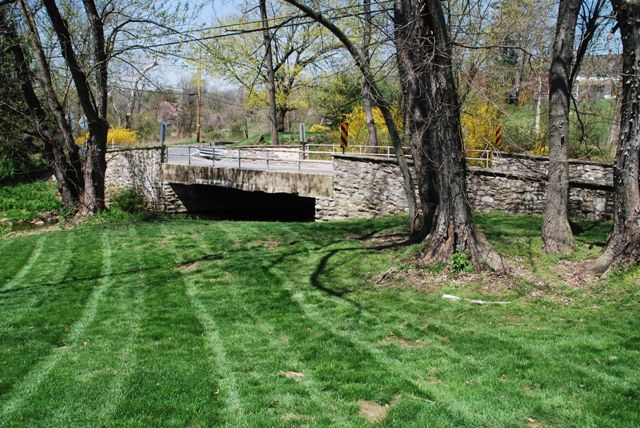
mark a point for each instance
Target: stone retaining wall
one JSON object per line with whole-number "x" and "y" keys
{"x": 137, "y": 169}
{"x": 366, "y": 187}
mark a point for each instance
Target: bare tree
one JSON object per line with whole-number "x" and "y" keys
{"x": 556, "y": 232}
{"x": 59, "y": 150}
{"x": 623, "y": 247}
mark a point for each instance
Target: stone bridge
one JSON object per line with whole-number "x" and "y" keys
{"x": 328, "y": 185}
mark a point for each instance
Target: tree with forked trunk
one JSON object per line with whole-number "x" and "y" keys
{"x": 623, "y": 246}
{"x": 424, "y": 52}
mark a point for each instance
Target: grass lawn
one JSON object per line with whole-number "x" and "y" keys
{"x": 210, "y": 323}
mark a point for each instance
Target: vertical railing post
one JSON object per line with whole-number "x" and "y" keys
{"x": 268, "y": 156}
{"x": 239, "y": 162}
{"x": 189, "y": 155}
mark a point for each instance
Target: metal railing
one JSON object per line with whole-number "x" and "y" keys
{"x": 307, "y": 157}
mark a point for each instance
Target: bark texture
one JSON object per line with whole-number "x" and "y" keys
{"x": 623, "y": 247}
{"x": 424, "y": 51}
{"x": 556, "y": 232}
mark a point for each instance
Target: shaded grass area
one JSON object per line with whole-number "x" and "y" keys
{"x": 24, "y": 201}
{"x": 184, "y": 322}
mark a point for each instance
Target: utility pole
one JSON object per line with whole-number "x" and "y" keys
{"x": 198, "y": 95}
{"x": 271, "y": 85}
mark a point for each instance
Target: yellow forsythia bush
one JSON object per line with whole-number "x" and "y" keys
{"x": 541, "y": 150}
{"x": 114, "y": 136}
{"x": 358, "y": 134}
{"x": 479, "y": 127}
{"x": 319, "y": 128}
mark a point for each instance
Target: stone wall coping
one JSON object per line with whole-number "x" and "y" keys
{"x": 133, "y": 149}
{"x": 584, "y": 184}
{"x": 546, "y": 159}
{"x": 366, "y": 158}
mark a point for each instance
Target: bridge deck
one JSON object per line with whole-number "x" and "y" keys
{"x": 189, "y": 155}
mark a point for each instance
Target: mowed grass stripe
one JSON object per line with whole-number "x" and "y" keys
{"x": 14, "y": 253}
{"x": 26, "y": 267}
{"x": 251, "y": 300}
{"x": 172, "y": 384}
{"x": 233, "y": 412}
{"x": 36, "y": 318}
{"x": 32, "y": 381}
{"x": 92, "y": 379}
{"x": 312, "y": 402}
{"x": 424, "y": 396}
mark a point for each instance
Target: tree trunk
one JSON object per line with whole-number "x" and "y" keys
{"x": 536, "y": 126}
{"x": 556, "y": 232}
{"x": 271, "y": 80}
{"x": 281, "y": 114}
{"x": 614, "y": 132}
{"x": 366, "y": 96}
{"x": 60, "y": 150}
{"x": 424, "y": 50}
{"x": 623, "y": 247}
{"x": 94, "y": 110}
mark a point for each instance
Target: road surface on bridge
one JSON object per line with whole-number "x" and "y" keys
{"x": 188, "y": 155}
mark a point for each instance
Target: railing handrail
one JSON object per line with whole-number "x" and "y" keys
{"x": 217, "y": 153}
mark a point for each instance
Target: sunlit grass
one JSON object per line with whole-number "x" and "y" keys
{"x": 199, "y": 323}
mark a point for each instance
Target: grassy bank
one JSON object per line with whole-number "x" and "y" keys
{"x": 203, "y": 323}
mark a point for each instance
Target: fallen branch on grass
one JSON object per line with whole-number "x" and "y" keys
{"x": 472, "y": 301}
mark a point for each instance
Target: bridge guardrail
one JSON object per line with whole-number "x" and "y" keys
{"x": 307, "y": 156}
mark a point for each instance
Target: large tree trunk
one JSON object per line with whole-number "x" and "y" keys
{"x": 366, "y": 96}
{"x": 623, "y": 247}
{"x": 94, "y": 110}
{"x": 271, "y": 80}
{"x": 556, "y": 232}
{"x": 424, "y": 50}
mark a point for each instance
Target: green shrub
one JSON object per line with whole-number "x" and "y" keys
{"x": 460, "y": 262}
{"x": 127, "y": 200}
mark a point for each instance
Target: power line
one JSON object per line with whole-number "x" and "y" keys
{"x": 240, "y": 32}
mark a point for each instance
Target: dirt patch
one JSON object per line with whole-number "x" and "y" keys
{"x": 385, "y": 240}
{"x": 296, "y": 417}
{"x": 188, "y": 266}
{"x": 420, "y": 279}
{"x": 373, "y": 412}
{"x": 291, "y": 375}
{"x": 575, "y": 274}
{"x": 402, "y": 343}
{"x": 532, "y": 423}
